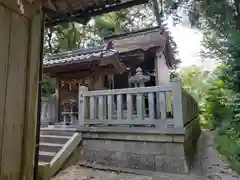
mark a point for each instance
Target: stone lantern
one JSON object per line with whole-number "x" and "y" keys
{"x": 139, "y": 79}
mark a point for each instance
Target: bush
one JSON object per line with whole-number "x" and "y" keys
{"x": 215, "y": 108}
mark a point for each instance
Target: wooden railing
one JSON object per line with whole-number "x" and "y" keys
{"x": 167, "y": 105}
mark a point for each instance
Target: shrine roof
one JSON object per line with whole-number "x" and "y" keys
{"x": 58, "y": 11}
{"x": 79, "y": 56}
{"x": 145, "y": 39}
{"x": 115, "y": 46}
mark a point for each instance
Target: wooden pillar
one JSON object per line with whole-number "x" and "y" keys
{"x": 58, "y": 100}
{"x": 99, "y": 84}
{"x": 20, "y": 39}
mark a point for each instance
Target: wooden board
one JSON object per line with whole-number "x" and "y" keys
{"x": 30, "y": 123}
{"x": 5, "y": 19}
{"x": 15, "y": 97}
{"x": 19, "y": 71}
{"x": 27, "y": 10}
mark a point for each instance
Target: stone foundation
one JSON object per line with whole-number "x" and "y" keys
{"x": 136, "y": 148}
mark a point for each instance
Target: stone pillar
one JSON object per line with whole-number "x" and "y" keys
{"x": 82, "y": 104}
{"x": 73, "y": 117}
{"x": 44, "y": 106}
{"x": 161, "y": 69}
{"x": 48, "y": 110}
{"x": 177, "y": 103}
{"x": 52, "y": 109}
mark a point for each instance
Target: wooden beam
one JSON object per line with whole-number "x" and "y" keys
{"x": 5, "y": 27}
{"x": 30, "y": 127}
{"x": 58, "y": 95}
{"x": 26, "y": 8}
{"x": 96, "y": 10}
{"x": 12, "y": 138}
{"x": 19, "y": 67}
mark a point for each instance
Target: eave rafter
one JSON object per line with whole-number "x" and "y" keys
{"x": 83, "y": 13}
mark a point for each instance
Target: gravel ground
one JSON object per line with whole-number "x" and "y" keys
{"x": 215, "y": 169}
{"x": 80, "y": 173}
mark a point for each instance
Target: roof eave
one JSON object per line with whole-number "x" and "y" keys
{"x": 83, "y": 16}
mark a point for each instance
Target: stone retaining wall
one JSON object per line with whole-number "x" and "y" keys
{"x": 192, "y": 133}
{"x": 156, "y": 156}
{"x": 151, "y": 149}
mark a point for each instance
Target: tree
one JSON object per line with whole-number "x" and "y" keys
{"x": 220, "y": 23}
{"x": 196, "y": 81}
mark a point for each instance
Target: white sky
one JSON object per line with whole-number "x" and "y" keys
{"x": 189, "y": 46}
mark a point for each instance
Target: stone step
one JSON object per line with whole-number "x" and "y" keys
{"x": 42, "y": 163}
{"x": 50, "y": 147}
{"x": 46, "y": 156}
{"x": 54, "y": 139}
{"x": 56, "y": 131}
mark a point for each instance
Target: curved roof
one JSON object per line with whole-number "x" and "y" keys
{"x": 115, "y": 46}
{"x": 78, "y": 56}
{"x": 145, "y": 39}
{"x": 100, "y": 55}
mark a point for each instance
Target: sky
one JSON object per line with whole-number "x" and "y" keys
{"x": 189, "y": 46}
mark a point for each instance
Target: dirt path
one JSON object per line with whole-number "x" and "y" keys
{"x": 80, "y": 173}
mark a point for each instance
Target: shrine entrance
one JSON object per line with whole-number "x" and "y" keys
{"x": 21, "y": 47}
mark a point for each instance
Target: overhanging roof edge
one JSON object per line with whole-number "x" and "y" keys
{"x": 85, "y": 15}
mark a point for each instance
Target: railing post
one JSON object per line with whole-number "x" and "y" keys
{"x": 81, "y": 104}
{"x": 177, "y": 104}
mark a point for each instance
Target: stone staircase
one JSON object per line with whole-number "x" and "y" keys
{"x": 56, "y": 145}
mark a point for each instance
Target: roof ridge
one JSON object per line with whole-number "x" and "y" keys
{"x": 80, "y": 56}
{"x": 75, "y": 52}
{"x": 133, "y": 33}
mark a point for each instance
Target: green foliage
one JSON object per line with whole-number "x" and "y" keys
{"x": 111, "y": 23}
{"x": 48, "y": 86}
{"x": 215, "y": 108}
{"x": 196, "y": 80}
{"x": 218, "y": 108}
{"x": 229, "y": 147}
{"x": 203, "y": 86}
{"x": 220, "y": 23}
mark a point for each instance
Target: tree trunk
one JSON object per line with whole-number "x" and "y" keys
{"x": 156, "y": 12}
